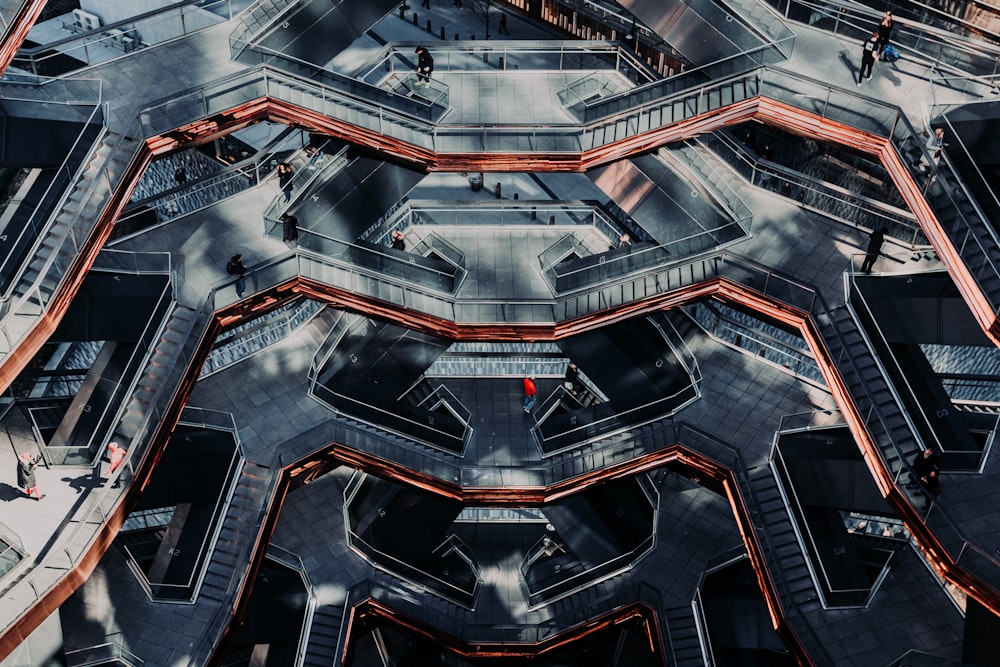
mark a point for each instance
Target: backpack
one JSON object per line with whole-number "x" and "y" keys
{"x": 890, "y": 55}
{"x": 233, "y": 267}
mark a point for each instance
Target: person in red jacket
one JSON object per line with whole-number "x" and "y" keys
{"x": 529, "y": 393}
{"x": 116, "y": 455}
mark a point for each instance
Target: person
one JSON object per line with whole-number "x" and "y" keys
{"x": 285, "y": 180}
{"x": 26, "y": 475}
{"x": 624, "y": 240}
{"x": 924, "y": 463}
{"x": 932, "y": 484}
{"x": 457, "y": 3}
{"x": 426, "y": 4}
{"x": 425, "y": 65}
{"x": 530, "y": 391}
{"x": 289, "y": 228}
{"x": 869, "y": 55}
{"x": 180, "y": 176}
{"x": 116, "y": 455}
{"x": 935, "y": 147}
{"x": 315, "y": 155}
{"x": 398, "y": 242}
{"x": 503, "y": 24}
{"x": 235, "y": 267}
{"x": 875, "y": 241}
{"x": 767, "y": 153}
{"x": 573, "y": 379}
{"x": 884, "y": 33}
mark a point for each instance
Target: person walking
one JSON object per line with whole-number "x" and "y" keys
{"x": 26, "y": 475}
{"x": 869, "y": 54}
{"x": 884, "y": 32}
{"x": 530, "y": 391}
{"x": 875, "y": 241}
{"x": 285, "y": 173}
{"x": 573, "y": 379}
{"x": 289, "y": 228}
{"x": 235, "y": 267}
{"x": 503, "y": 25}
{"x": 116, "y": 456}
{"x": 425, "y": 65}
{"x": 932, "y": 484}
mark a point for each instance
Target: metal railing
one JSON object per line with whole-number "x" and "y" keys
{"x": 472, "y": 56}
{"x": 820, "y": 196}
{"x": 118, "y": 39}
{"x": 830, "y": 594}
{"x": 258, "y": 20}
{"x": 249, "y": 339}
{"x": 943, "y": 47}
{"x": 122, "y": 384}
{"x": 293, "y": 562}
{"x": 110, "y": 653}
{"x": 722, "y": 323}
{"x": 187, "y": 592}
{"x": 914, "y": 407}
{"x": 446, "y": 589}
{"x": 32, "y": 296}
{"x": 435, "y": 430}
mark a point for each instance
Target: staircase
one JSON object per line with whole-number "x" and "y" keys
{"x": 871, "y": 394}
{"x": 257, "y": 20}
{"x": 239, "y": 533}
{"x": 773, "y": 523}
{"x": 685, "y": 640}
{"x": 68, "y": 230}
{"x": 324, "y": 634}
{"x": 172, "y": 352}
{"x": 968, "y": 229}
{"x": 682, "y": 99}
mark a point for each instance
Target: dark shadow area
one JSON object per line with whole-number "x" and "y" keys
{"x": 72, "y": 389}
{"x": 169, "y": 532}
{"x": 408, "y": 531}
{"x": 375, "y": 375}
{"x": 981, "y": 644}
{"x": 628, "y": 640}
{"x": 739, "y": 626}
{"x": 828, "y": 484}
{"x": 634, "y": 365}
{"x": 901, "y": 313}
{"x": 270, "y": 631}
{"x": 590, "y": 536}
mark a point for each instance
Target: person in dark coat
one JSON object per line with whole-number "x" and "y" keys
{"x": 398, "y": 242}
{"x": 425, "y": 65}
{"x": 573, "y": 379}
{"x": 925, "y": 462}
{"x": 26, "y": 475}
{"x": 875, "y": 241}
{"x": 869, "y": 54}
{"x": 235, "y": 267}
{"x": 289, "y": 227}
{"x": 932, "y": 484}
{"x": 285, "y": 180}
{"x": 884, "y": 32}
